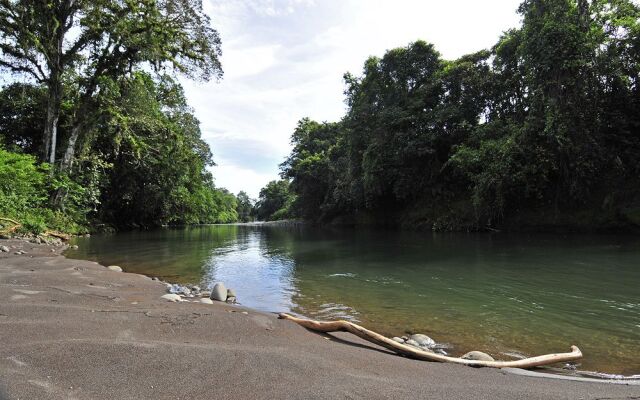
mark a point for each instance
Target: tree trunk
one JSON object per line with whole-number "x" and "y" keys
{"x": 69, "y": 154}
{"x": 51, "y": 124}
{"x": 54, "y": 100}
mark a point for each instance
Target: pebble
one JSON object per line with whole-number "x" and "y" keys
{"x": 206, "y": 301}
{"x": 114, "y": 268}
{"x": 219, "y": 292}
{"x": 171, "y": 297}
{"x": 477, "y": 355}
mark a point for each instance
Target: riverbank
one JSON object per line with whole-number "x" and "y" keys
{"x": 74, "y": 329}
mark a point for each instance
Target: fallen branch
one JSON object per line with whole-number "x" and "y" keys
{"x": 10, "y": 229}
{"x": 59, "y": 235}
{"x": 410, "y": 351}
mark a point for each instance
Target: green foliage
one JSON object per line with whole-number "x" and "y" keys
{"x": 545, "y": 123}
{"x": 152, "y": 139}
{"x": 24, "y": 196}
{"x": 275, "y": 202}
{"x": 245, "y": 207}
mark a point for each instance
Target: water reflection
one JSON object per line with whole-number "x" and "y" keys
{"x": 509, "y": 294}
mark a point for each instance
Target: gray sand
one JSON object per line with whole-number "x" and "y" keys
{"x": 74, "y": 330}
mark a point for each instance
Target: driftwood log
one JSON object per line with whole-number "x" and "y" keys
{"x": 413, "y": 352}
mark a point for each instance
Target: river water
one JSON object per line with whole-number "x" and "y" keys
{"x": 505, "y": 294}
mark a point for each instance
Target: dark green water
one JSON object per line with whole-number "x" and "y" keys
{"x": 499, "y": 293}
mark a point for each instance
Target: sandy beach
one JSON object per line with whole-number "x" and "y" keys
{"x": 72, "y": 329}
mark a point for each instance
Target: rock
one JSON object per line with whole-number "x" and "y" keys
{"x": 114, "y": 268}
{"x": 37, "y": 240}
{"x": 477, "y": 355}
{"x": 423, "y": 340}
{"x": 412, "y": 342}
{"x": 219, "y": 292}
{"x": 397, "y": 339}
{"x": 231, "y": 299}
{"x": 195, "y": 289}
{"x": 155, "y": 278}
{"x": 4, "y": 249}
{"x": 75, "y": 247}
{"x": 206, "y": 301}
{"x": 185, "y": 291}
{"x": 231, "y": 293}
{"x": 205, "y": 293}
{"x": 174, "y": 298}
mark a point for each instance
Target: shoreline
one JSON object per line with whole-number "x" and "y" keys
{"x": 74, "y": 329}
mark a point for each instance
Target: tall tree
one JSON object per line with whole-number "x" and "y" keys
{"x": 94, "y": 40}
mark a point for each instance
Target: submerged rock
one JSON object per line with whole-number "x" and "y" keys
{"x": 219, "y": 292}
{"x": 172, "y": 297}
{"x": 114, "y": 268}
{"x": 477, "y": 355}
{"x": 423, "y": 340}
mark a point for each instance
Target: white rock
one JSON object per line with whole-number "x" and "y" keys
{"x": 4, "y": 249}
{"x": 397, "y": 339}
{"x": 412, "y": 342}
{"x": 206, "y": 301}
{"x": 171, "y": 297}
{"x": 477, "y": 355}
{"x": 423, "y": 340}
{"x": 219, "y": 292}
{"x": 114, "y": 268}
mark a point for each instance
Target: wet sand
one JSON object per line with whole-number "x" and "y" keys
{"x": 71, "y": 329}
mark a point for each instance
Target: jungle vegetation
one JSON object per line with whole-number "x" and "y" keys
{"x": 95, "y": 130}
{"x": 540, "y": 131}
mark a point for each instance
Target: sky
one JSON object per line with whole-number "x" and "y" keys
{"x": 284, "y": 60}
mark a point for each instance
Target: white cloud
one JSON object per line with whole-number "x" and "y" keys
{"x": 284, "y": 60}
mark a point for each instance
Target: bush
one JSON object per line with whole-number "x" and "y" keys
{"x": 25, "y": 189}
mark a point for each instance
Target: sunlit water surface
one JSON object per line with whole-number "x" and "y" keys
{"x": 504, "y": 294}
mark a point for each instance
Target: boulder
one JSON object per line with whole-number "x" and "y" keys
{"x": 219, "y": 292}
{"x": 231, "y": 293}
{"x": 206, "y": 301}
{"x": 423, "y": 340}
{"x": 477, "y": 355}
{"x": 174, "y": 298}
{"x": 114, "y": 268}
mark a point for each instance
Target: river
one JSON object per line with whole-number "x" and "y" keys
{"x": 505, "y": 294}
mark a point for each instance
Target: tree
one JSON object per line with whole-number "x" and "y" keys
{"x": 244, "y": 207}
{"x": 89, "y": 41}
{"x": 275, "y": 201}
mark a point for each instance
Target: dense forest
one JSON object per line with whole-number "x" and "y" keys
{"x": 95, "y": 130}
{"x": 540, "y": 131}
